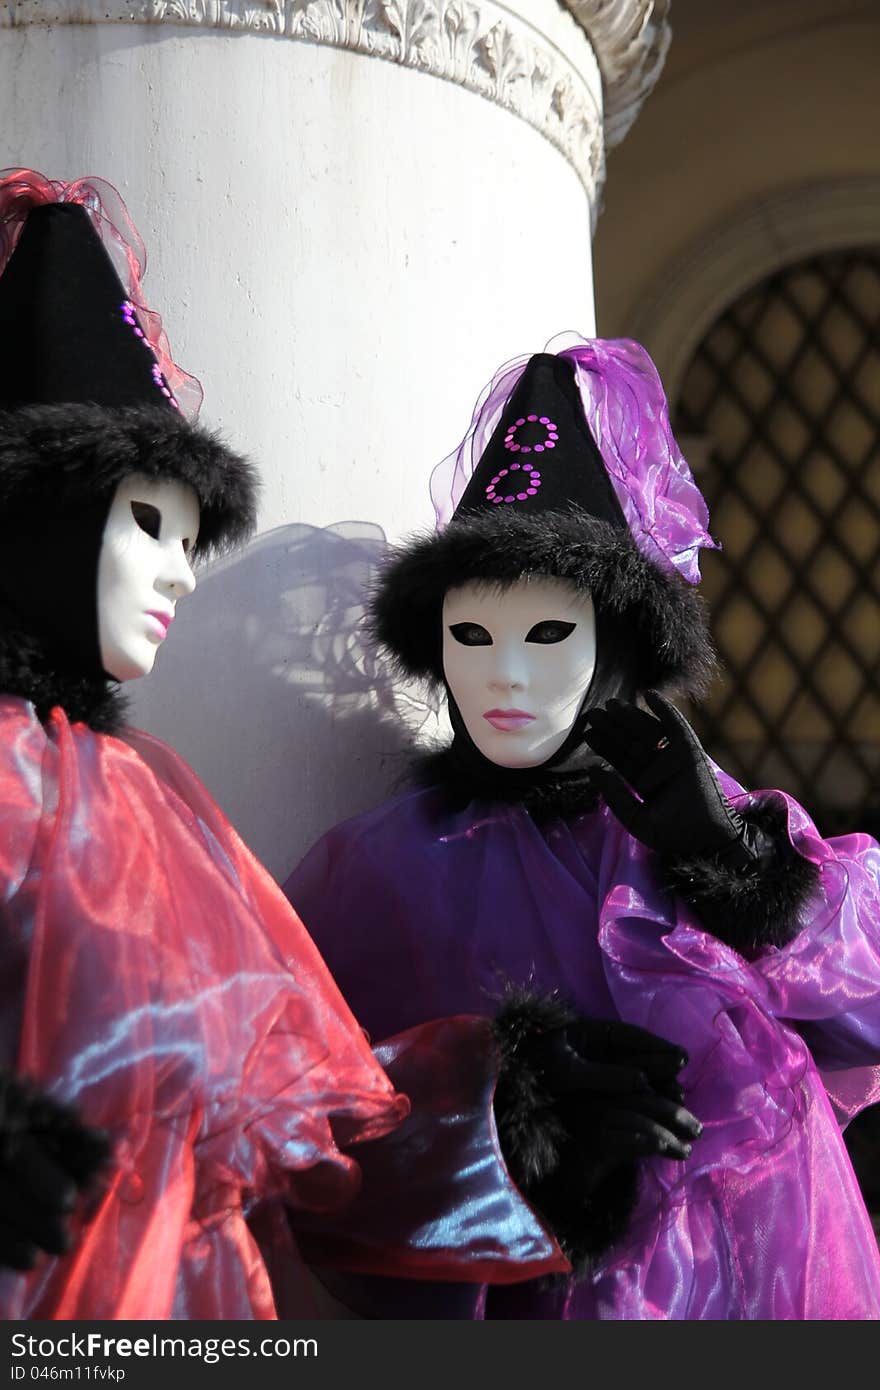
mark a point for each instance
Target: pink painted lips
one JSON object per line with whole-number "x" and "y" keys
{"x": 508, "y": 720}
{"x": 163, "y": 621}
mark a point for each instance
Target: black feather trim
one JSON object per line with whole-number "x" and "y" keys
{"x": 663, "y": 615}
{"x": 530, "y": 1133}
{"x": 544, "y": 793}
{"x": 588, "y": 1210}
{"x": 28, "y": 1112}
{"x": 28, "y": 671}
{"x": 587, "y": 1222}
{"x": 750, "y": 908}
{"x": 55, "y": 456}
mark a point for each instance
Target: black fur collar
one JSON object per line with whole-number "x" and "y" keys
{"x": 27, "y": 670}
{"x": 544, "y": 793}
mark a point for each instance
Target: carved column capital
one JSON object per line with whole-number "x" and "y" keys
{"x": 630, "y": 39}
{"x": 536, "y": 59}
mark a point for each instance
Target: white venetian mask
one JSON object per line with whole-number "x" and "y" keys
{"x": 518, "y": 661}
{"x": 143, "y": 570}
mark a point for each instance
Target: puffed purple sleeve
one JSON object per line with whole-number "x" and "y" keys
{"x": 826, "y": 980}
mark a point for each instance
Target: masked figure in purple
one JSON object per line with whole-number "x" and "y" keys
{"x": 575, "y": 865}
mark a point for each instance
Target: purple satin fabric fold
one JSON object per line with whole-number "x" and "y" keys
{"x": 765, "y": 1220}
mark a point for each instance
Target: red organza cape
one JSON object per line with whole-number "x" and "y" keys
{"x": 154, "y": 976}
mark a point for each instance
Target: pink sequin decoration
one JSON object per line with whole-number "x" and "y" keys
{"x": 163, "y": 386}
{"x": 531, "y": 477}
{"x": 159, "y": 380}
{"x": 550, "y": 439}
{"x": 534, "y": 480}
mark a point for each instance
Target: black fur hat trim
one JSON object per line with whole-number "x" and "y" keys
{"x": 56, "y": 456}
{"x": 664, "y": 618}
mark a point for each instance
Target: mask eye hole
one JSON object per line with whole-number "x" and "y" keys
{"x": 550, "y": 631}
{"x": 471, "y": 634}
{"x": 148, "y": 518}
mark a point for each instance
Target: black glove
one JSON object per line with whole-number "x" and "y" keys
{"x": 579, "y": 1102}
{"x": 46, "y": 1156}
{"x": 616, "y": 1083}
{"x": 739, "y": 872}
{"x": 682, "y": 811}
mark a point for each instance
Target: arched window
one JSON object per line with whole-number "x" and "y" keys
{"x": 784, "y": 388}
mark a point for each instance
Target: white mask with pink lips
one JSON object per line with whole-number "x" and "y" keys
{"x": 518, "y": 660}
{"x": 143, "y": 570}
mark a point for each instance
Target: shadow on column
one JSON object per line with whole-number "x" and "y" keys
{"x": 270, "y": 689}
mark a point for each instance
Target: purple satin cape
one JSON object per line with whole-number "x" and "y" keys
{"x": 422, "y": 913}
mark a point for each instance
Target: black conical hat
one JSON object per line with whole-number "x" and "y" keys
{"x": 67, "y": 330}
{"x": 83, "y": 404}
{"x": 541, "y": 456}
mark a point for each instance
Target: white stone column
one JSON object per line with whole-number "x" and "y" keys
{"x": 354, "y": 211}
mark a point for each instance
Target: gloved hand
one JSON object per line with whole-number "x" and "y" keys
{"x": 578, "y": 1104}
{"x": 615, "y": 1087}
{"x": 47, "y": 1156}
{"x": 682, "y": 812}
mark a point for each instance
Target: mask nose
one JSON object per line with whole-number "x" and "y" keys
{"x": 509, "y": 669}
{"x": 177, "y": 577}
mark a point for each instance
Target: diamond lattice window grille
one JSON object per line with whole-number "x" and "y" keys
{"x": 785, "y": 387}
